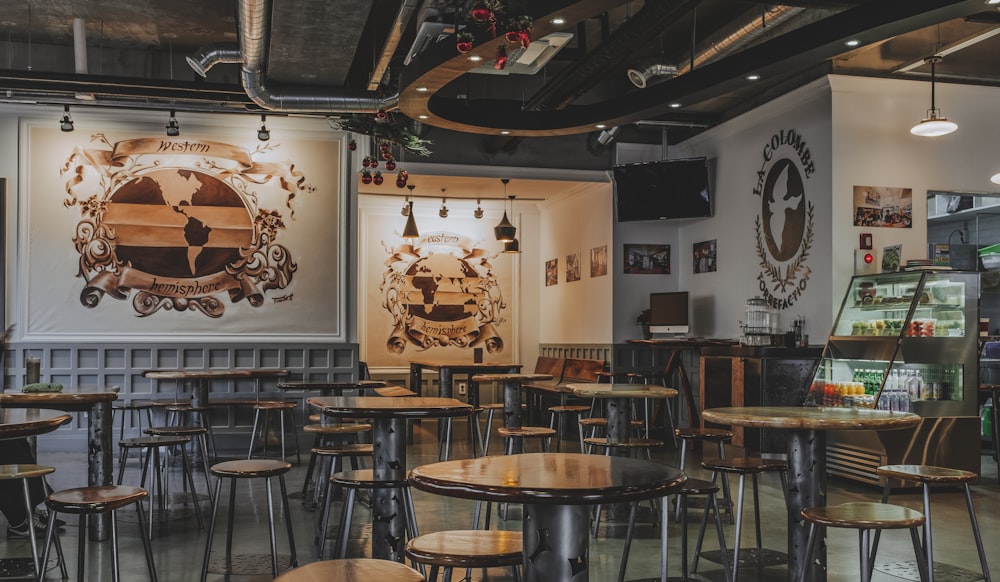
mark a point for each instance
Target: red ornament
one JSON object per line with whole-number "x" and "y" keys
{"x": 366, "y": 177}
{"x": 377, "y": 178}
{"x": 367, "y": 161}
{"x": 463, "y": 46}
{"x": 386, "y": 156}
{"x": 481, "y": 13}
{"x": 404, "y": 174}
{"x": 381, "y": 114}
{"x": 384, "y": 148}
{"x": 513, "y": 35}
{"x": 400, "y": 183}
{"x": 390, "y": 165}
{"x": 501, "y": 58}
{"x": 374, "y": 163}
{"x": 525, "y": 38}
{"x": 353, "y": 145}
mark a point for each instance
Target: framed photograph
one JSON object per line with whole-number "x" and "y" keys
{"x": 883, "y": 206}
{"x": 704, "y": 256}
{"x": 647, "y": 259}
{"x": 572, "y": 267}
{"x": 551, "y": 272}
{"x": 599, "y": 261}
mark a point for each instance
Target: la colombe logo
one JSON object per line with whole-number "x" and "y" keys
{"x": 784, "y": 225}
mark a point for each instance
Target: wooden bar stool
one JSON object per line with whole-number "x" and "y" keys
{"x": 466, "y": 549}
{"x": 87, "y": 501}
{"x": 865, "y": 517}
{"x": 514, "y": 436}
{"x": 928, "y": 475}
{"x": 152, "y": 444}
{"x": 250, "y": 469}
{"x": 197, "y": 435}
{"x": 327, "y": 435}
{"x": 353, "y": 570}
{"x": 364, "y": 479}
{"x": 557, "y": 419}
{"x": 744, "y": 466}
{"x": 702, "y": 435}
{"x": 197, "y": 416}
{"x": 134, "y": 410}
{"x": 283, "y": 408}
{"x": 22, "y": 473}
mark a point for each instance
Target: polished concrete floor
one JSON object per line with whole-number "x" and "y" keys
{"x": 178, "y": 543}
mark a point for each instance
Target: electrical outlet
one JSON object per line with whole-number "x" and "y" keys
{"x": 461, "y": 388}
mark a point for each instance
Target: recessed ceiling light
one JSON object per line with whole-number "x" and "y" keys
{"x": 992, "y": 2}
{"x": 853, "y": 42}
{"x": 600, "y": 126}
{"x": 475, "y": 58}
{"x": 422, "y": 116}
{"x": 504, "y": 132}
{"x": 675, "y": 105}
{"x": 559, "y": 20}
{"x": 753, "y": 77}
{"x": 421, "y": 89}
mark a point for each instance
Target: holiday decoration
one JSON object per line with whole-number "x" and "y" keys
{"x": 501, "y": 58}
{"x": 385, "y": 131}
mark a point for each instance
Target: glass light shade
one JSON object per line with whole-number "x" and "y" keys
{"x": 513, "y": 247}
{"x": 934, "y": 126}
{"x": 995, "y": 178}
{"x": 505, "y": 231}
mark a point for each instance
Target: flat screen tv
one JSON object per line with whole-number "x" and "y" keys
{"x": 663, "y": 190}
{"x": 668, "y": 312}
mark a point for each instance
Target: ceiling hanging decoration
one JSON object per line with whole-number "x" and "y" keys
{"x": 479, "y": 23}
{"x": 386, "y": 134}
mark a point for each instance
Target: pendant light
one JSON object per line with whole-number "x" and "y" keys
{"x": 512, "y": 248}
{"x": 505, "y": 231}
{"x": 934, "y": 124}
{"x": 995, "y": 178}
{"x": 410, "y": 232}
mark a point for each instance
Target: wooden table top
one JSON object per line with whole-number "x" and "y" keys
{"x": 438, "y": 364}
{"x": 333, "y": 386}
{"x": 593, "y": 390}
{"x": 22, "y": 422}
{"x": 70, "y": 397}
{"x": 504, "y": 377}
{"x": 197, "y": 374}
{"x": 811, "y": 417}
{"x": 549, "y": 478}
{"x": 389, "y": 407}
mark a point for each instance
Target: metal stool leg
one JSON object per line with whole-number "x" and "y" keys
{"x": 975, "y": 533}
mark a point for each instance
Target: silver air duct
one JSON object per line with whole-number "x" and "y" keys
{"x": 208, "y": 57}
{"x": 254, "y": 23}
{"x": 640, "y": 74}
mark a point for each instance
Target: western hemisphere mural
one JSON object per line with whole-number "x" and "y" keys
{"x": 191, "y": 234}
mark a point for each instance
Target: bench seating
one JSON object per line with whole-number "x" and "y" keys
{"x": 564, "y": 371}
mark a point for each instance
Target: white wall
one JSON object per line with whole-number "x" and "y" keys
{"x": 579, "y": 311}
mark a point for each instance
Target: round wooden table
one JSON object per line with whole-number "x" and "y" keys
{"x": 619, "y": 408}
{"x": 806, "y": 430}
{"x": 24, "y": 422}
{"x": 388, "y": 416}
{"x": 557, "y": 490}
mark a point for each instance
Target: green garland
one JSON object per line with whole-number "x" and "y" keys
{"x": 385, "y": 131}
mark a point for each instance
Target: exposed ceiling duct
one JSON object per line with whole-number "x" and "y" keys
{"x": 254, "y": 21}
{"x": 209, "y": 56}
{"x": 729, "y": 38}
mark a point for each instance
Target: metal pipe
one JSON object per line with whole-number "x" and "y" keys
{"x": 80, "y": 45}
{"x": 209, "y": 56}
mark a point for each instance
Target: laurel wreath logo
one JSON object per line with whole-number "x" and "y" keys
{"x": 773, "y": 270}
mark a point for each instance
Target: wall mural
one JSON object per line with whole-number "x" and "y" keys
{"x": 182, "y": 234}
{"x": 184, "y": 231}
{"x": 438, "y": 297}
{"x": 784, "y": 227}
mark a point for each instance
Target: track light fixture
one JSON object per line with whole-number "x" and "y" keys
{"x": 410, "y": 232}
{"x": 478, "y": 213}
{"x": 173, "y": 128}
{"x": 443, "y": 212}
{"x": 263, "y": 134}
{"x": 505, "y": 231}
{"x": 934, "y": 124}
{"x": 66, "y": 123}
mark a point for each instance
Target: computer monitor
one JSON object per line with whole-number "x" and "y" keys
{"x": 668, "y": 312}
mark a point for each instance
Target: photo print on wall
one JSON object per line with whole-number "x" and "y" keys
{"x": 647, "y": 259}
{"x": 551, "y": 272}
{"x": 572, "y": 267}
{"x": 599, "y": 261}
{"x": 704, "y": 256}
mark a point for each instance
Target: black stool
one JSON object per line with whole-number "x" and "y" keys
{"x": 283, "y": 408}
{"x": 250, "y": 469}
{"x": 22, "y": 473}
{"x": 558, "y": 414}
{"x": 197, "y": 435}
{"x": 720, "y": 437}
{"x": 152, "y": 444}
{"x": 352, "y": 481}
{"x": 466, "y": 549}
{"x": 87, "y": 501}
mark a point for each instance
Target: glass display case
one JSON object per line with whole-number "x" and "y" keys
{"x": 905, "y": 341}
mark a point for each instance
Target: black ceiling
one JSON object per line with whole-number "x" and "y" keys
{"x": 136, "y": 53}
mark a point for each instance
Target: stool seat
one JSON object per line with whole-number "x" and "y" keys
{"x": 467, "y": 548}
{"x": 352, "y": 570}
{"x": 526, "y": 432}
{"x": 98, "y": 499}
{"x": 10, "y": 472}
{"x": 927, "y": 474}
{"x": 251, "y": 468}
{"x": 394, "y": 392}
{"x": 569, "y": 408}
{"x": 328, "y": 429}
{"x": 187, "y": 408}
{"x": 153, "y": 441}
{"x": 493, "y": 406}
{"x": 365, "y": 478}
{"x": 176, "y": 430}
{"x": 354, "y": 449}
{"x": 275, "y": 405}
{"x": 698, "y": 487}
{"x": 744, "y": 465}
{"x": 631, "y": 444}
{"x": 865, "y": 515}
{"x": 695, "y": 433}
